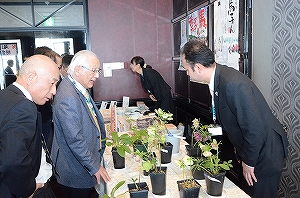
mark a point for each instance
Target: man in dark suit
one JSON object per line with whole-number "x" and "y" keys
{"x": 258, "y": 137}
{"x": 20, "y": 126}
{"x": 8, "y": 69}
{"x": 77, "y": 149}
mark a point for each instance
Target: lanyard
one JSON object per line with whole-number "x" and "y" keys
{"x": 213, "y": 111}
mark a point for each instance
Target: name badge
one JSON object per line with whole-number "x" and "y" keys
{"x": 215, "y": 130}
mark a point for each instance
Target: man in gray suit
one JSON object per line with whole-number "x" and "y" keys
{"x": 258, "y": 137}
{"x": 77, "y": 150}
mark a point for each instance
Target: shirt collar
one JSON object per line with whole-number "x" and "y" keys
{"x": 78, "y": 85}
{"x": 24, "y": 91}
{"x": 211, "y": 84}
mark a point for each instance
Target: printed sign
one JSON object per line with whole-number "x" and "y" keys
{"x": 9, "y": 49}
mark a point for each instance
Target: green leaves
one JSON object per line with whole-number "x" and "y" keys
{"x": 121, "y": 143}
{"x": 211, "y": 162}
{"x": 114, "y": 189}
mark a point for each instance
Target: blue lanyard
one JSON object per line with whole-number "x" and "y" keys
{"x": 213, "y": 111}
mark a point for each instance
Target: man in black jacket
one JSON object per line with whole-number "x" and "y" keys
{"x": 20, "y": 126}
{"x": 258, "y": 137}
{"x": 10, "y": 76}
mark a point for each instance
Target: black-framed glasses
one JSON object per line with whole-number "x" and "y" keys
{"x": 99, "y": 71}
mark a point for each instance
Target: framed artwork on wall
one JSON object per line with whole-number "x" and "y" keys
{"x": 226, "y": 32}
{"x": 197, "y": 24}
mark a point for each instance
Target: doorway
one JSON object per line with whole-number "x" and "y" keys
{"x": 10, "y": 53}
{"x": 60, "y": 45}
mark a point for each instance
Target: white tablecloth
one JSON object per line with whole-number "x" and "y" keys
{"x": 174, "y": 174}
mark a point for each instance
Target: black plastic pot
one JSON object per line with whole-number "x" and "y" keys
{"x": 142, "y": 193}
{"x": 188, "y": 192}
{"x": 214, "y": 183}
{"x": 166, "y": 157}
{"x": 197, "y": 174}
{"x": 163, "y": 168}
{"x": 158, "y": 182}
{"x": 119, "y": 162}
{"x": 193, "y": 151}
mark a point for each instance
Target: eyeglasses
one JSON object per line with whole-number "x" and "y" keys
{"x": 99, "y": 71}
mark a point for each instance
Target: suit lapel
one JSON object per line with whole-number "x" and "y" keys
{"x": 83, "y": 101}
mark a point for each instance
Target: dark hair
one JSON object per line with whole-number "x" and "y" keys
{"x": 42, "y": 50}
{"x": 10, "y": 62}
{"x": 196, "y": 51}
{"x": 52, "y": 54}
{"x": 66, "y": 60}
{"x": 138, "y": 60}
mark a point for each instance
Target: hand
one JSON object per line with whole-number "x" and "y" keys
{"x": 248, "y": 173}
{"x": 38, "y": 185}
{"x": 102, "y": 173}
{"x": 152, "y": 97}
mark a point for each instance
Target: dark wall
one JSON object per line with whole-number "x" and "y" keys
{"x": 121, "y": 29}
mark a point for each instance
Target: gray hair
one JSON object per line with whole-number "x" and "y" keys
{"x": 81, "y": 58}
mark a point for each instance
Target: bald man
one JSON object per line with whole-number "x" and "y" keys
{"x": 20, "y": 126}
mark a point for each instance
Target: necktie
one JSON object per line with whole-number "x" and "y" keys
{"x": 92, "y": 110}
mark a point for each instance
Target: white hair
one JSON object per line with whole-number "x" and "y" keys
{"x": 81, "y": 58}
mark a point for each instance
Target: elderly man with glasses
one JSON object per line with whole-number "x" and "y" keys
{"x": 77, "y": 148}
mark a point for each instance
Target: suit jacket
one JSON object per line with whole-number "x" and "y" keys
{"x": 245, "y": 116}
{"x": 76, "y": 149}
{"x": 10, "y": 77}
{"x": 154, "y": 83}
{"x": 20, "y": 144}
{"x": 8, "y": 70}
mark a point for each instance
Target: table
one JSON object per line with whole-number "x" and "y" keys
{"x": 174, "y": 174}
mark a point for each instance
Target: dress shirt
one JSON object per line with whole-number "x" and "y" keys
{"x": 211, "y": 84}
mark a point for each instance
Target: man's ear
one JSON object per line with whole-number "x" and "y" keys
{"x": 31, "y": 77}
{"x": 198, "y": 67}
{"x": 77, "y": 70}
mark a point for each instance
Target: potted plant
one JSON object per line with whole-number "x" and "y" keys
{"x": 188, "y": 187}
{"x": 157, "y": 142}
{"x": 165, "y": 148}
{"x": 200, "y": 134}
{"x": 138, "y": 190}
{"x": 157, "y": 176}
{"x": 214, "y": 168}
{"x": 139, "y": 138}
{"x": 120, "y": 145}
{"x": 147, "y": 159}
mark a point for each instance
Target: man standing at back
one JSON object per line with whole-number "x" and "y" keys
{"x": 10, "y": 76}
{"x": 77, "y": 149}
{"x": 8, "y": 69}
{"x": 20, "y": 126}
